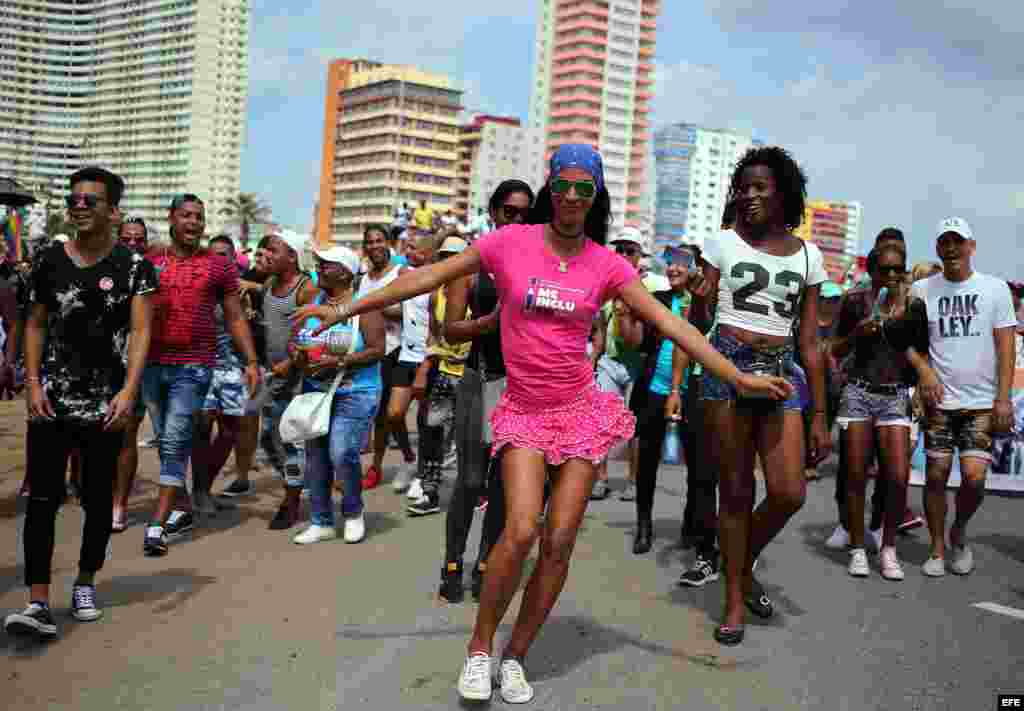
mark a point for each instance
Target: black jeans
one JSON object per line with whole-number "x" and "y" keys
{"x": 461, "y": 509}
{"x": 877, "y": 497}
{"x": 700, "y": 516}
{"x": 651, "y": 426}
{"x": 49, "y": 444}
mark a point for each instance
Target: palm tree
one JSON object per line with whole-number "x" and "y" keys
{"x": 245, "y": 210}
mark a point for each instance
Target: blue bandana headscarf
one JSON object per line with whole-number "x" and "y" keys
{"x": 578, "y": 155}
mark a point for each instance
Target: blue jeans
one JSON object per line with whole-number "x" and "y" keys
{"x": 337, "y": 454}
{"x": 285, "y": 457}
{"x": 173, "y": 395}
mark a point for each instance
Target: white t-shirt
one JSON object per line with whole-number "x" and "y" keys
{"x": 392, "y": 329}
{"x": 961, "y": 319}
{"x": 760, "y": 292}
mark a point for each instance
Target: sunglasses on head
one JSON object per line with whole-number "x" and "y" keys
{"x": 76, "y": 199}
{"x": 680, "y": 257}
{"x": 585, "y": 189}
{"x": 627, "y": 250}
{"x": 511, "y": 212}
{"x": 892, "y": 269}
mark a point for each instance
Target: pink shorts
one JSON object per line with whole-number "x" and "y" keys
{"x": 584, "y": 428}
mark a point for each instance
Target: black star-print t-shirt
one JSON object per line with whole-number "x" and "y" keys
{"x": 85, "y": 357}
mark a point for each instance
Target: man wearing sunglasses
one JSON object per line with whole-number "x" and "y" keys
{"x": 86, "y": 339}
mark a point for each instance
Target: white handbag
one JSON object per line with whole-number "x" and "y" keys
{"x": 308, "y": 416}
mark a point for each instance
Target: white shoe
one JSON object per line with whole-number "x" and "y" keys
{"x": 859, "y": 563}
{"x": 415, "y": 490}
{"x": 315, "y": 534}
{"x": 890, "y": 564}
{"x": 475, "y": 680}
{"x": 963, "y": 560}
{"x": 934, "y": 567}
{"x": 873, "y": 540}
{"x": 512, "y": 679}
{"x": 839, "y": 539}
{"x": 355, "y": 529}
{"x": 405, "y": 475}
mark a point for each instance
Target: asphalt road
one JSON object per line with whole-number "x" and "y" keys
{"x": 240, "y": 618}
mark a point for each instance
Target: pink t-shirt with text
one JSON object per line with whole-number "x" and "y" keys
{"x": 546, "y": 315}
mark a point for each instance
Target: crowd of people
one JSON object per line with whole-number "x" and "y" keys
{"x": 535, "y": 347}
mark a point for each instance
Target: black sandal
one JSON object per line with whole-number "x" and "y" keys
{"x": 728, "y": 635}
{"x": 757, "y": 600}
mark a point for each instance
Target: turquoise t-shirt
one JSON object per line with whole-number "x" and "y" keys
{"x": 357, "y": 379}
{"x": 661, "y": 381}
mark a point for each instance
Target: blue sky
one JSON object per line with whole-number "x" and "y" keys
{"x": 912, "y": 108}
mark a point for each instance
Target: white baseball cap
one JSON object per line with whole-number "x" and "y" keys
{"x": 60, "y": 238}
{"x": 633, "y": 236}
{"x": 297, "y": 241}
{"x": 954, "y": 224}
{"x": 339, "y": 255}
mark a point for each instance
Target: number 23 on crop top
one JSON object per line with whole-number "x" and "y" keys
{"x": 757, "y": 291}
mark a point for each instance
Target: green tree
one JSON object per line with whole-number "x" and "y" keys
{"x": 245, "y": 210}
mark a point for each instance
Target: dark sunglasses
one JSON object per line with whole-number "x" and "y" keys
{"x": 584, "y": 188}
{"x": 511, "y": 212}
{"x": 75, "y": 199}
{"x": 627, "y": 250}
{"x": 681, "y": 257}
{"x": 893, "y": 269}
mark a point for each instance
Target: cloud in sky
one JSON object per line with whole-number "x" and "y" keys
{"x": 911, "y": 108}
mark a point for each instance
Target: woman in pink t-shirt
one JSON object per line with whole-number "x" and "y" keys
{"x": 552, "y": 278}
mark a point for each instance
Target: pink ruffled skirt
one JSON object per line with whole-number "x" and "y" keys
{"x": 587, "y": 427}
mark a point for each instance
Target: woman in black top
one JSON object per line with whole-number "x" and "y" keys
{"x": 879, "y": 331}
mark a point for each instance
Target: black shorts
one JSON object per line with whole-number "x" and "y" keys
{"x": 403, "y": 374}
{"x": 388, "y": 366}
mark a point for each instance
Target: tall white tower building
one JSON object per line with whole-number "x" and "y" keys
{"x": 155, "y": 91}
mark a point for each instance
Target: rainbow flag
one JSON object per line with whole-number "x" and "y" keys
{"x": 12, "y": 233}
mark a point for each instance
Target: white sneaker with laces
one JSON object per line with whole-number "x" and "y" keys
{"x": 315, "y": 534}
{"x": 415, "y": 490}
{"x": 963, "y": 560}
{"x": 859, "y": 563}
{"x": 839, "y": 539}
{"x": 512, "y": 679}
{"x": 475, "y": 680}
{"x": 890, "y": 564}
{"x": 934, "y": 567}
{"x": 873, "y": 540}
{"x": 406, "y": 473}
{"x": 355, "y": 529}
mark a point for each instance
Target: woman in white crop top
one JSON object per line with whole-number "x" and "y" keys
{"x": 762, "y": 279}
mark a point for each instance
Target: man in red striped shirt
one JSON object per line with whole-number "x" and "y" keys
{"x": 183, "y": 351}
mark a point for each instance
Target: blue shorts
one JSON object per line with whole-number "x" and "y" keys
{"x": 742, "y": 355}
{"x": 858, "y": 404}
{"x": 227, "y": 394}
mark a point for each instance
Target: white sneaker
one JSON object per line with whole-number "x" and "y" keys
{"x": 406, "y": 474}
{"x": 873, "y": 540}
{"x": 839, "y": 539}
{"x": 315, "y": 534}
{"x": 475, "y": 680}
{"x": 859, "y": 563}
{"x": 963, "y": 560}
{"x": 890, "y": 564}
{"x": 355, "y": 529}
{"x": 415, "y": 489}
{"x": 934, "y": 567}
{"x": 514, "y": 687}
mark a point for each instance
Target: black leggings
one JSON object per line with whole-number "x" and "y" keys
{"x": 49, "y": 444}
{"x": 462, "y": 507}
{"x": 651, "y": 428}
{"x": 700, "y": 516}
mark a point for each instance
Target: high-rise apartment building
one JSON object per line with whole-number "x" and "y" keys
{"x": 155, "y": 91}
{"x": 836, "y": 228}
{"x": 694, "y": 168}
{"x": 593, "y": 84}
{"x": 391, "y": 136}
{"x": 490, "y": 151}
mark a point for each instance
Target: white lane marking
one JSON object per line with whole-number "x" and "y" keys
{"x": 1000, "y": 609}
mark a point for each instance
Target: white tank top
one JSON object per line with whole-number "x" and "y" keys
{"x": 393, "y": 329}
{"x": 761, "y": 292}
{"x": 415, "y": 327}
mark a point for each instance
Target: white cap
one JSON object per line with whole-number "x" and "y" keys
{"x": 339, "y": 255}
{"x": 954, "y": 224}
{"x": 632, "y": 235}
{"x": 61, "y": 238}
{"x": 298, "y": 242}
{"x": 453, "y": 245}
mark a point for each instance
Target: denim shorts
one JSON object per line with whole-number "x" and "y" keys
{"x": 857, "y": 404}
{"x": 742, "y": 356}
{"x": 227, "y": 393}
{"x": 970, "y": 431}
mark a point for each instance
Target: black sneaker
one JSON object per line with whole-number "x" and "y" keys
{"x": 477, "y": 586}
{"x": 178, "y": 524}
{"x": 600, "y": 490}
{"x": 238, "y": 488}
{"x": 286, "y": 517}
{"x": 704, "y": 571}
{"x": 83, "y": 603}
{"x": 758, "y": 602}
{"x": 429, "y": 503}
{"x": 451, "y": 583}
{"x": 155, "y": 543}
{"x": 34, "y": 620}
